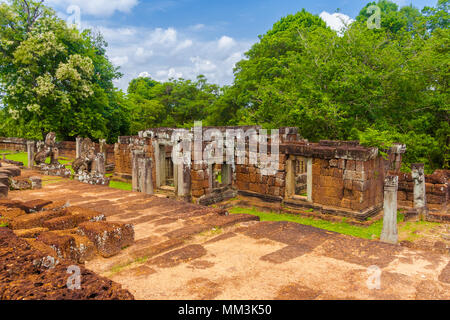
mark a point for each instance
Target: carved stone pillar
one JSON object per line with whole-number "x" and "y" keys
{"x": 135, "y": 155}
{"x": 78, "y": 147}
{"x": 30, "y": 152}
{"x": 390, "y": 232}
{"x": 145, "y": 183}
{"x": 418, "y": 175}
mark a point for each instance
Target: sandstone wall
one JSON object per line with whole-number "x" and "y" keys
{"x": 249, "y": 178}
{"x": 350, "y": 184}
{"x": 437, "y": 190}
{"x": 13, "y": 144}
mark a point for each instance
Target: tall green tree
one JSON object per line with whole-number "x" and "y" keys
{"x": 344, "y": 86}
{"x": 53, "y": 78}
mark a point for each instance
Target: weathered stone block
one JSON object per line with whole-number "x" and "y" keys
{"x": 35, "y": 205}
{"x": 198, "y": 175}
{"x": 64, "y": 245}
{"x": 35, "y": 220}
{"x": 4, "y": 189}
{"x": 30, "y": 233}
{"x": 351, "y": 165}
{"x": 197, "y": 192}
{"x": 348, "y": 184}
{"x": 109, "y": 238}
{"x": 361, "y": 185}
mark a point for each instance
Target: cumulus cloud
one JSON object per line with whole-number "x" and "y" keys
{"x": 226, "y": 42}
{"x": 336, "y": 21}
{"x": 168, "y": 53}
{"x": 102, "y": 8}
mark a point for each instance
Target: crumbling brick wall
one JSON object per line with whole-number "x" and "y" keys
{"x": 13, "y": 144}
{"x": 350, "y": 184}
{"x": 249, "y": 178}
{"x": 437, "y": 190}
{"x": 122, "y": 156}
{"x": 199, "y": 180}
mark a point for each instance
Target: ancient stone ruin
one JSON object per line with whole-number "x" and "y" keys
{"x": 47, "y": 149}
{"x": 332, "y": 177}
{"x": 89, "y": 167}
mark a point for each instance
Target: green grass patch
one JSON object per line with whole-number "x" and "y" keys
{"x": 369, "y": 232}
{"x": 23, "y": 157}
{"x": 120, "y": 185}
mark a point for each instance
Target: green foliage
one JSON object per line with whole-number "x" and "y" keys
{"x": 53, "y": 77}
{"x": 378, "y": 139}
{"x": 377, "y": 85}
{"x": 173, "y": 103}
{"x": 390, "y": 85}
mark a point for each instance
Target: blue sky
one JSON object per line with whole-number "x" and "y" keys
{"x": 184, "y": 38}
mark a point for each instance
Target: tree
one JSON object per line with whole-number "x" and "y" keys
{"x": 53, "y": 76}
{"x": 391, "y": 81}
{"x": 175, "y": 103}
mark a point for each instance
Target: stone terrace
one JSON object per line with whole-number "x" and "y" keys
{"x": 179, "y": 254}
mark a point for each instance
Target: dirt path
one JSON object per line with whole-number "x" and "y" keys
{"x": 183, "y": 251}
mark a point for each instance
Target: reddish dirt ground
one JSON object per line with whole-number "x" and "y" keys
{"x": 185, "y": 251}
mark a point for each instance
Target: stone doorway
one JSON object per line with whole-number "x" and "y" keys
{"x": 166, "y": 168}
{"x": 299, "y": 178}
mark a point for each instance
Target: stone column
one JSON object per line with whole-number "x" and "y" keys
{"x": 135, "y": 155}
{"x": 227, "y": 174}
{"x": 390, "y": 233}
{"x": 309, "y": 178}
{"x": 184, "y": 181}
{"x": 102, "y": 145}
{"x": 418, "y": 175}
{"x": 145, "y": 183}
{"x": 100, "y": 165}
{"x": 78, "y": 147}
{"x": 30, "y": 151}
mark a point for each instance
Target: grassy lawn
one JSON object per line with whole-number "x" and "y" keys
{"x": 120, "y": 185}
{"x": 23, "y": 157}
{"x": 407, "y": 230}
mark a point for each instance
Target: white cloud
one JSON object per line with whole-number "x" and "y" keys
{"x": 226, "y": 43}
{"x": 102, "y": 8}
{"x": 144, "y": 74}
{"x": 161, "y": 36}
{"x": 336, "y": 21}
{"x": 197, "y": 27}
{"x": 169, "y": 53}
{"x": 119, "y": 61}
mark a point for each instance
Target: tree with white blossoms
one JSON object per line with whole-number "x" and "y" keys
{"x": 53, "y": 78}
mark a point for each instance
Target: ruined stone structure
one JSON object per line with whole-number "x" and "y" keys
{"x": 47, "y": 149}
{"x": 334, "y": 177}
{"x": 89, "y": 167}
{"x": 331, "y": 177}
